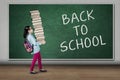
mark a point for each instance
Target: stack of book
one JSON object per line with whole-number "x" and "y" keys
{"x": 37, "y": 24}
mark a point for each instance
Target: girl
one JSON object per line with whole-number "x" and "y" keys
{"x": 36, "y": 49}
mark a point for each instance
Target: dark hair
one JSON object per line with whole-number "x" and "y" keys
{"x": 26, "y": 31}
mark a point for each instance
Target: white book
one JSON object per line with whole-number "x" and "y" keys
{"x": 35, "y": 15}
{"x": 40, "y": 37}
{"x": 38, "y": 31}
{"x": 35, "y": 19}
{"x": 39, "y": 26}
{"x": 34, "y": 11}
{"x": 39, "y": 34}
{"x": 37, "y": 23}
{"x": 39, "y": 20}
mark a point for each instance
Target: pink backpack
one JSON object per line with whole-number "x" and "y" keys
{"x": 28, "y": 46}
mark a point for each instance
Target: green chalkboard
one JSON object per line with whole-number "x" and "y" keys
{"x": 72, "y": 31}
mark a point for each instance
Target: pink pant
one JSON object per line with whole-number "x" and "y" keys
{"x": 36, "y": 57}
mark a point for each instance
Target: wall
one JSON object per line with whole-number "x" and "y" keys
{"x": 4, "y": 30}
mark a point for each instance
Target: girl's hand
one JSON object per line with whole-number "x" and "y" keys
{"x": 42, "y": 42}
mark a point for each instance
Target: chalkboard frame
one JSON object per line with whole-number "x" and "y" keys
{"x": 78, "y": 59}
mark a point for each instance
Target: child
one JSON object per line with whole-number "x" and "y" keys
{"x": 36, "y": 49}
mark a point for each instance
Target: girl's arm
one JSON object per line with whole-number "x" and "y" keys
{"x": 32, "y": 40}
{"x": 39, "y": 43}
